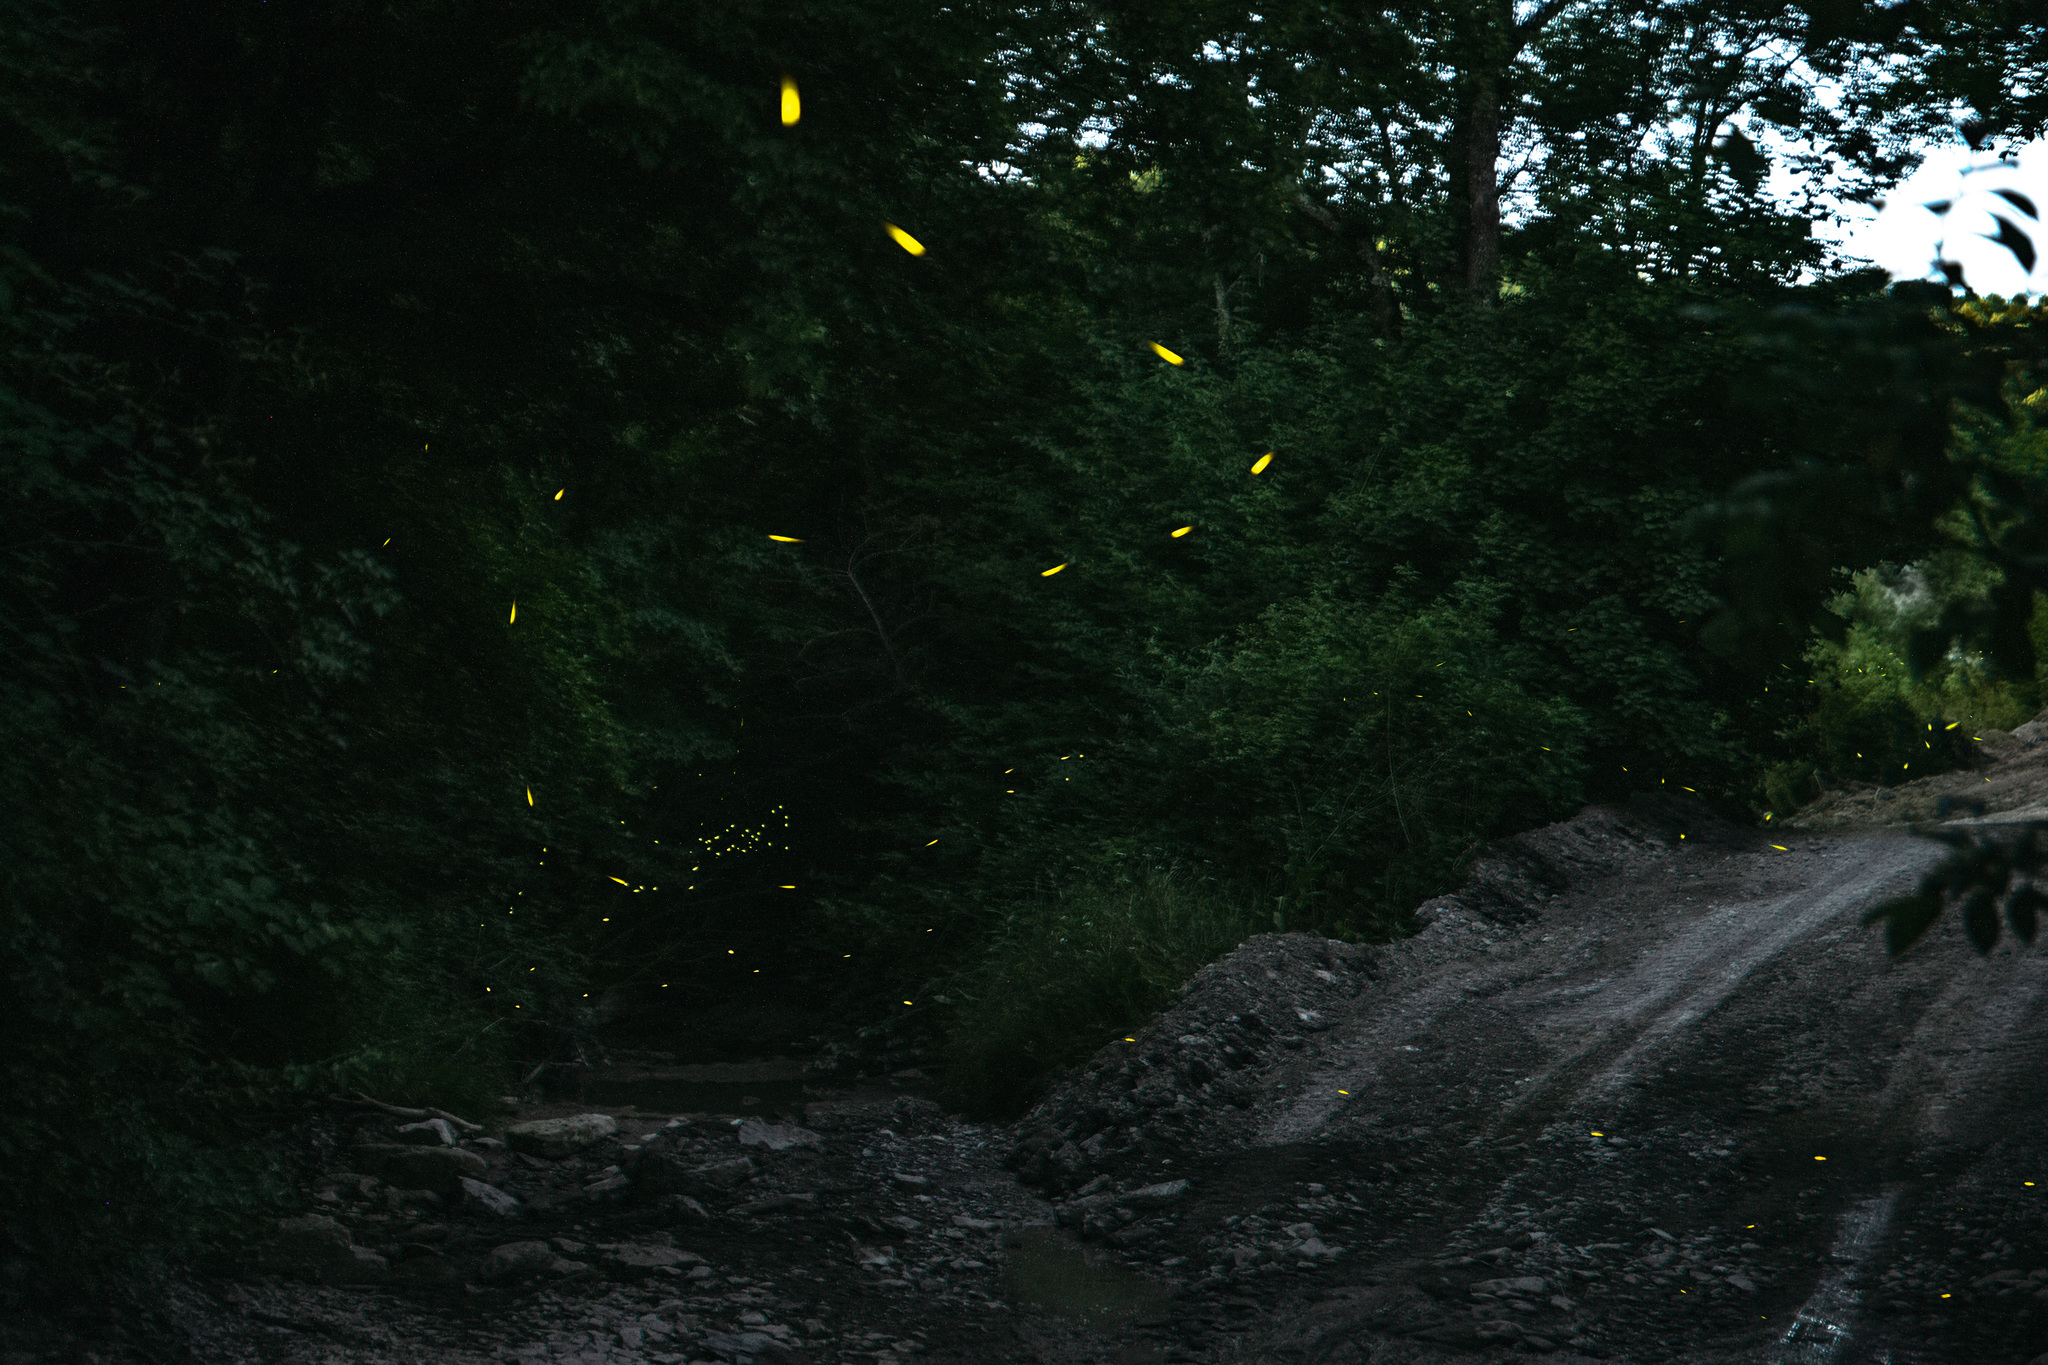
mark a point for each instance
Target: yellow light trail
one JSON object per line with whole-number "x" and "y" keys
{"x": 792, "y": 107}
{"x": 1168, "y": 356}
{"x": 904, "y": 239}
{"x": 1263, "y": 461}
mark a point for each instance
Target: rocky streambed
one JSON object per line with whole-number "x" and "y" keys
{"x": 1644, "y": 1090}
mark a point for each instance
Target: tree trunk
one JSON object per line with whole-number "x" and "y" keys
{"x": 1479, "y": 247}
{"x": 1386, "y": 311}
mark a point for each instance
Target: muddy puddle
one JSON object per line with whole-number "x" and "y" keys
{"x": 763, "y": 1088}
{"x": 1089, "y": 1287}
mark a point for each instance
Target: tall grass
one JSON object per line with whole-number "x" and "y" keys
{"x": 1072, "y": 970}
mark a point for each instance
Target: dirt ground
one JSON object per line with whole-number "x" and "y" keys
{"x": 1645, "y": 1090}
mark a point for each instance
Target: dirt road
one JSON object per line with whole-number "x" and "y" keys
{"x": 1645, "y": 1090}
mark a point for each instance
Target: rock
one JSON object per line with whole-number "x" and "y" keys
{"x": 629, "y": 1337}
{"x": 777, "y": 1201}
{"x": 488, "y": 1144}
{"x": 1742, "y": 1282}
{"x": 557, "y": 1138}
{"x": 961, "y": 1220}
{"x": 739, "y": 1345}
{"x": 1154, "y": 1196}
{"x": 489, "y": 1198}
{"x": 1316, "y": 1250}
{"x": 683, "y": 1208}
{"x": 440, "y": 1169}
{"x": 908, "y": 1181}
{"x": 609, "y": 1184}
{"x": 754, "y": 1133}
{"x": 316, "y": 1247}
{"x": 903, "y": 1223}
{"x": 635, "y": 1260}
{"x": 516, "y": 1261}
{"x": 428, "y": 1133}
{"x": 723, "y": 1175}
{"x": 1526, "y": 1285}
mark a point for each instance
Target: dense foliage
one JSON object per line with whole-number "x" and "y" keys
{"x": 502, "y": 539}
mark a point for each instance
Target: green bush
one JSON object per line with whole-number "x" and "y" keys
{"x": 1869, "y": 718}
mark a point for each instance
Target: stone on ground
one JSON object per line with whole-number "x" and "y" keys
{"x": 556, "y": 1138}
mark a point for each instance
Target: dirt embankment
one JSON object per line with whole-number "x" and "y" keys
{"x": 1645, "y": 1090}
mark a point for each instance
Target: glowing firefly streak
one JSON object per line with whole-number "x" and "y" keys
{"x": 559, "y": 492}
{"x": 529, "y": 796}
{"x": 515, "y": 614}
{"x": 1182, "y": 531}
{"x": 620, "y": 880}
{"x": 1168, "y": 356}
{"x": 787, "y": 540}
{"x": 1263, "y": 461}
{"x": 904, "y": 239}
{"x": 1053, "y": 570}
{"x": 792, "y": 107}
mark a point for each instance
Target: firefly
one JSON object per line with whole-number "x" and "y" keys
{"x": 1182, "y": 531}
{"x": 1168, "y": 356}
{"x": 1820, "y": 1158}
{"x": 792, "y": 107}
{"x": 787, "y": 540}
{"x": 1260, "y": 466}
{"x": 933, "y": 842}
{"x": 1053, "y": 570}
{"x": 904, "y": 239}
{"x": 515, "y": 614}
{"x": 559, "y": 492}
{"x": 529, "y": 796}
{"x": 791, "y": 888}
{"x": 387, "y": 541}
{"x": 620, "y": 880}
{"x": 1781, "y": 848}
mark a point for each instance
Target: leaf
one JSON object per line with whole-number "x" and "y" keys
{"x": 2019, "y": 201}
{"x": 1980, "y": 919}
{"x": 2013, "y": 238}
{"x": 1906, "y": 918}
